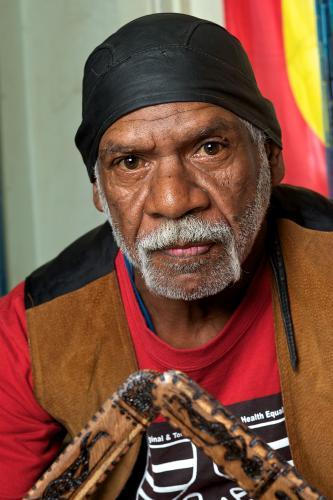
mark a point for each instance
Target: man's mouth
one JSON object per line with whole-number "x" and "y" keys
{"x": 190, "y": 250}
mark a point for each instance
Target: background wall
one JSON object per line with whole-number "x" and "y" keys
{"x": 44, "y": 44}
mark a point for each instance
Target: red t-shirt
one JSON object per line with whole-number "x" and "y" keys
{"x": 29, "y": 438}
{"x": 243, "y": 353}
{"x": 237, "y": 366}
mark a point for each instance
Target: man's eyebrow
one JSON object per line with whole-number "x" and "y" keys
{"x": 113, "y": 147}
{"x": 217, "y": 125}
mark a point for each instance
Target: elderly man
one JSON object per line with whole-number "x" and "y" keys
{"x": 207, "y": 269}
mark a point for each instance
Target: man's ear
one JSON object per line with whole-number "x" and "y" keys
{"x": 275, "y": 158}
{"x": 96, "y": 198}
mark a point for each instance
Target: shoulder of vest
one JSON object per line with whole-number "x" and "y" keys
{"x": 303, "y": 206}
{"x": 88, "y": 258}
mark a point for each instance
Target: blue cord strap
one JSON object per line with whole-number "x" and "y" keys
{"x": 142, "y": 306}
{"x": 282, "y": 287}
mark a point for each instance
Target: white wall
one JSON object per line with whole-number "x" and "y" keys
{"x": 44, "y": 44}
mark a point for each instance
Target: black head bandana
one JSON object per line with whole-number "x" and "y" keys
{"x": 164, "y": 58}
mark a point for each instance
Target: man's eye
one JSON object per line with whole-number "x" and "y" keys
{"x": 131, "y": 162}
{"x": 212, "y": 148}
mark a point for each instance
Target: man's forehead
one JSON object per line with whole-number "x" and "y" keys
{"x": 190, "y": 116}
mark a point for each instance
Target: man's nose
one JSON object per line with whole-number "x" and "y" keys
{"x": 174, "y": 191}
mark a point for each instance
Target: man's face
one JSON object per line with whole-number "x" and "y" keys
{"x": 186, "y": 193}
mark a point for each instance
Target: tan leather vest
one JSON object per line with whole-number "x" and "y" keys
{"x": 86, "y": 332}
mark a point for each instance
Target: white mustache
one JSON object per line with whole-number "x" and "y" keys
{"x": 189, "y": 230}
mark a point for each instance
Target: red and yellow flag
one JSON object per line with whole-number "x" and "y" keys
{"x": 281, "y": 39}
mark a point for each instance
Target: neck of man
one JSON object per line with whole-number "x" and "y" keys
{"x": 189, "y": 324}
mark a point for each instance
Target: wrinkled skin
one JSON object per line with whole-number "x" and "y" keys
{"x": 171, "y": 160}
